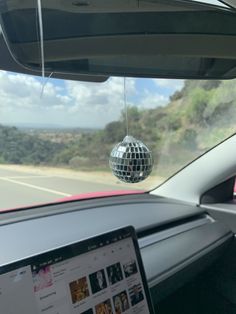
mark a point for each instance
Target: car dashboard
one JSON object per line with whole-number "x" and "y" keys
{"x": 177, "y": 240}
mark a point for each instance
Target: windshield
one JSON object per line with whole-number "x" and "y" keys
{"x": 56, "y": 136}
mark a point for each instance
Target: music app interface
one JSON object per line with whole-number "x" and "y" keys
{"x": 106, "y": 279}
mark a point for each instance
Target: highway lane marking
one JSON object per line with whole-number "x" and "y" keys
{"x": 35, "y": 187}
{"x": 25, "y": 177}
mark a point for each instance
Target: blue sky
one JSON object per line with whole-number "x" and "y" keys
{"x": 76, "y": 104}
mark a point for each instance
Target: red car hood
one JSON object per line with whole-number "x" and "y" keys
{"x": 85, "y": 196}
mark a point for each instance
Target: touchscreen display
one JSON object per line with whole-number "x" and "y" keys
{"x": 102, "y": 275}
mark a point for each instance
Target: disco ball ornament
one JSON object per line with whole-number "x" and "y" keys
{"x": 131, "y": 161}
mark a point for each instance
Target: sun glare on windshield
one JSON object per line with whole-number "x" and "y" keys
{"x": 57, "y": 146}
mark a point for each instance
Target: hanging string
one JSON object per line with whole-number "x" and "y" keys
{"x": 45, "y": 83}
{"x": 41, "y": 37}
{"x": 126, "y": 108}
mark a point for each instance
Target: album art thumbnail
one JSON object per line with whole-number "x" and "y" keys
{"x": 79, "y": 289}
{"x": 114, "y": 273}
{"x": 98, "y": 281}
{"x": 121, "y": 303}
{"x": 136, "y": 294}
{"x": 130, "y": 268}
{"x": 104, "y": 307}
{"x": 42, "y": 278}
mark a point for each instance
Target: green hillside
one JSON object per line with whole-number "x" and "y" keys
{"x": 196, "y": 118}
{"x": 18, "y": 147}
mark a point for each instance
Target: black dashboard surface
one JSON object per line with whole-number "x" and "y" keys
{"x": 171, "y": 234}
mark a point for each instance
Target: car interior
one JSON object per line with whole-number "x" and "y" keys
{"x": 185, "y": 226}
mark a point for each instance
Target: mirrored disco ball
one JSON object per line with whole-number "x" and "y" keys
{"x": 131, "y": 161}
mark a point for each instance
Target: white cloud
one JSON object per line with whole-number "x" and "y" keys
{"x": 70, "y": 103}
{"x": 20, "y": 95}
{"x": 170, "y": 84}
{"x": 24, "y": 92}
{"x": 105, "y": 101}
{"x": 107, "y": 93}
{"x": 152, "y": 100}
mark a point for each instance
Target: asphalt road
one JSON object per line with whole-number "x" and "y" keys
{"x": 19, "y": 189}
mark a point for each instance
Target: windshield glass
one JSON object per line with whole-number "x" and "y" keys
{"x": 55, "y": 141}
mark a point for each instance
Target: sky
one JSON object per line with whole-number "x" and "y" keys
{"x": 76, "y": 104}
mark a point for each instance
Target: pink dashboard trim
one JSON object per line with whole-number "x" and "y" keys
{"x": 84, "y": 196}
